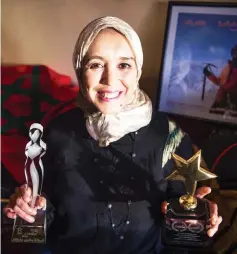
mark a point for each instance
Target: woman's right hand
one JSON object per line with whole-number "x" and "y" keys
{"x": 19, "y": 204}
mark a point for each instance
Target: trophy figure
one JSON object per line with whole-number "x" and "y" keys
{"x": 187, "y": 219}
{"x": 23, "y": 231}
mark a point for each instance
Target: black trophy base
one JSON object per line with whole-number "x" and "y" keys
{"x": 187, "y": 229}
{"x": 25, "y": 232}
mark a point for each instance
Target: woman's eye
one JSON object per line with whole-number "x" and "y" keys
{"x": 124, "y": 66}
{"x": 95, "y": 66}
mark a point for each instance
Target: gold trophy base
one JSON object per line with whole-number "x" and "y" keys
{"x": 25, "y": 232}
{"x": 188, "y": 202}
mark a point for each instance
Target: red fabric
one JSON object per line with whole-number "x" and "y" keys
{"x": 57, "y": 110}
{"x": 231, "y": 85}
{"x": 30, "y": 93}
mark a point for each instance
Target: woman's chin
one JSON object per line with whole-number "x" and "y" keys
{"x": 109, "y": 109}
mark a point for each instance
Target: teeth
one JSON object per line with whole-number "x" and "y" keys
{"x": 108, "y": 95}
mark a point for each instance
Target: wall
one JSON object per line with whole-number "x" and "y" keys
{"x": 44, "y": 31}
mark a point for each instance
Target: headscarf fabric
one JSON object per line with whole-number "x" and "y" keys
{"x": 133, "y": 116}
{"x": 90, "y": 32}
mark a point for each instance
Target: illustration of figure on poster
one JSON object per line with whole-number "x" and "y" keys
{"x": 226, "y": 96}
{"x": 200, "y": 43}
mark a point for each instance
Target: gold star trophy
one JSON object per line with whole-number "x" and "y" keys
{"x": 188, "y": 218}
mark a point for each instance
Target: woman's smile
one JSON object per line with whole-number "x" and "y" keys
{"x": 107, "y": 96}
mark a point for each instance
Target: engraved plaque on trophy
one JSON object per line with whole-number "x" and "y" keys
{"x": 23, "y": 231}
{"x": 187, "y": 219}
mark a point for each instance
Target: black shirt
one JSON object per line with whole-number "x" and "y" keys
{"x": 107, "y": 199}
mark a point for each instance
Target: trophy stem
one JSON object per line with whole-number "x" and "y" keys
{"x": 188, "y": 202}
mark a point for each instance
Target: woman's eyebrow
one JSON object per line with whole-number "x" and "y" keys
{"x": 89, "y": 58}
{"x": 123, "y": 58}
{"x": 127, "y": 58}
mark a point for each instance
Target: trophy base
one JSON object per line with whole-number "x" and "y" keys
{"x": 186, "y": 229}
{"x": 25, "y": 232}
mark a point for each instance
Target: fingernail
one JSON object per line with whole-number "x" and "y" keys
{"x": 210, "y": 233}
{"x": 220, "y": 219}
{"x": 32, "y": 219}
{"x": 213, "y": 220}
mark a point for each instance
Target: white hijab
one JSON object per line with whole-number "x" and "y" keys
{"x": 132, "y": 117}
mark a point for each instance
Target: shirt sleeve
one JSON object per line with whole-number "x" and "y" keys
{"x": 179, "y": 143}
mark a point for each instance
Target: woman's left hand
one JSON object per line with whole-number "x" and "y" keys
{"x": 215, "y": 219}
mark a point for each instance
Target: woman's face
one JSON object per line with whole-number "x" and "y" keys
{"x": 109, "y": 76}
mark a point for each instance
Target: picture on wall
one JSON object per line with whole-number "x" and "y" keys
{"x": 199, "y": 68}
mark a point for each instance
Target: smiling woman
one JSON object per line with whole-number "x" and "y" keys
{"x": 108, "y": 157}
{"x": 108, "y": 61}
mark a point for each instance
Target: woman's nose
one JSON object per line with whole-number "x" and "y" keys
{"x": 110, "y": 76}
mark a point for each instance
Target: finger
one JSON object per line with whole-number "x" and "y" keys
{"x": 26, "y": 193}
{"x": 25, "y": 207}
{"x": 18, "y": 191}
{"x": 213, "y": 208}
{"x": 7, "y": 207}
{"x": 202, "y": 192}
{"x": 40, "y": 202}
{"x": 164, "y": 207}
{"x": 8, "y": 211}
{"x": 213, "y": 212}
{"x": 23, "y": 214}
{"x": 12, "y": 200}
{"x": 214, "y": 228}
{"x": 10, "y": 214}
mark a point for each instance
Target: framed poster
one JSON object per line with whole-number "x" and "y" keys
{"x": 199, "y": 67}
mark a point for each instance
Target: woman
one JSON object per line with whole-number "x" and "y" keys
{"x": 107, "y": 158}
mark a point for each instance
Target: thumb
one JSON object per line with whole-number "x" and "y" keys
{"x": 40, "y": 203}
{"x": 202, "y": 192}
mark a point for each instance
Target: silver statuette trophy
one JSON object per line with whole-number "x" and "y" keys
{"x": 23, "y": 231}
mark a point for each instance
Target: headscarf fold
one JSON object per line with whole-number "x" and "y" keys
{"x": 133, "y": 116}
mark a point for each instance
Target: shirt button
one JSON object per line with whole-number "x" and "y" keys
{"x": 121, "y": 237}
{"x": 136, "y": 132}
{"x": 109, "y": 206}
{"x": 131, "y": 178}
{"x": 101, "y": 182}
{"x": 115, "y": 160}
{"x": 95, "y": 159}
{"x": 134, "y": 155}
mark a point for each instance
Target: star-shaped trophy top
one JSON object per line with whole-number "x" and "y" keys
{"x": 191, "y": 170}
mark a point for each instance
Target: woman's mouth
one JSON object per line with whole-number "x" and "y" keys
{"x": 108, "y": 96}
